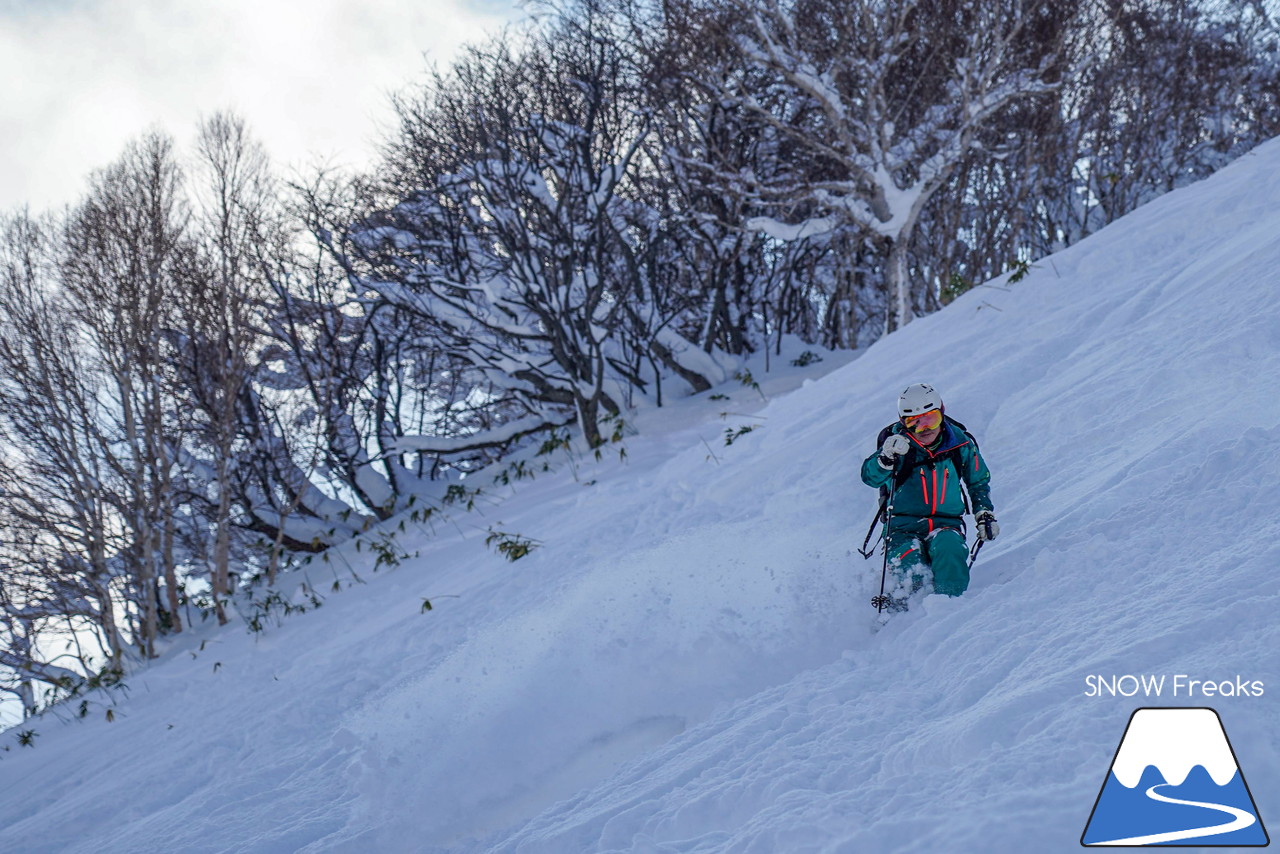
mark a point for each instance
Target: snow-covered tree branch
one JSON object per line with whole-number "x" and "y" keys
{"x": 898, "y": 93}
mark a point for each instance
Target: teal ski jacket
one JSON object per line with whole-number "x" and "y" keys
{"x": 928, "y": 493}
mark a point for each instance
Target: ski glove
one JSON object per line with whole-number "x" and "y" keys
{"x": 893, "y": 447}
{"x": 985, "y": 521}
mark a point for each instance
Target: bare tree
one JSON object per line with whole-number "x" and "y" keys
{"x": 219, "y": 332}
{"x": 63, "y": 536}
{"x": 883, "y": 101}
{"x": 525, "y": 242}
{"x": 1175, "y": 90}
{"x": 125, "y": 250}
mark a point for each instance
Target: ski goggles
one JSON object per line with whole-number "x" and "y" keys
{"x": 924, "y": 422}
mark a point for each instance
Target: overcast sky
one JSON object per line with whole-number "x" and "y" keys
{"x": 79, "y": 78}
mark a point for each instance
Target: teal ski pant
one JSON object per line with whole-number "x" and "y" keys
{"x": 943, "y": 550}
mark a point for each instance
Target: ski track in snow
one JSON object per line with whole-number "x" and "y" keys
{"x": 1240, "y": 819}
{"x": 687, "y": 664}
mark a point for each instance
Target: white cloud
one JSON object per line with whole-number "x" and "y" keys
{"x": 312, "y": 77}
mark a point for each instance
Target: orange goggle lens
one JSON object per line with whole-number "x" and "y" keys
{"x": 923, "y": 422}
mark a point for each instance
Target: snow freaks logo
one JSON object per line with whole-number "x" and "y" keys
{"x": 1175, "y": 781}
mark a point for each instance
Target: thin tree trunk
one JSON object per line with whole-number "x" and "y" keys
{"x": 898, "y": 285}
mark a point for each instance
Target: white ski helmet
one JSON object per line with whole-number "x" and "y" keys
{"x": 918, "y": 398}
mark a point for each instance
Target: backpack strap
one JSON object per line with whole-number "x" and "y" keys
{"x": 957, "y": 460}
{"x": 882, "y": 515}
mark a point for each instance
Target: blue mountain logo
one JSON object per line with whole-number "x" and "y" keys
{"x": 1175, "y": 781}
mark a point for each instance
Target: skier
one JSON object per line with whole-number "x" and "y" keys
{"x": 920, "y": 463}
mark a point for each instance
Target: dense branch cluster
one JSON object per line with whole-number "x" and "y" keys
{"x": 206, "y": 372}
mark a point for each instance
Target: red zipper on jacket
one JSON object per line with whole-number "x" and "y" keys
{"x": 937, "y": 496}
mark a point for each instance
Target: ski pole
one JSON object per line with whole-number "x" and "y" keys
{"x": 973, "y": 555}
{"x": 868, "y": 552}
{"x": 882, "y": 600}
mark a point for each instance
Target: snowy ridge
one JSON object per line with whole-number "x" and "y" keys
{"x": 686, "y": 663}
{"x": 1174, "y": 744}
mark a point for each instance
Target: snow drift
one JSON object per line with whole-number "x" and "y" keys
{"x": 687, "y": 662}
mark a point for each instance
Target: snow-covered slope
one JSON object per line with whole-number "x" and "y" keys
{"x": 687, "y": 661}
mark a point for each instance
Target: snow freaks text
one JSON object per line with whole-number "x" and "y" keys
{"x": 1179, "y": 685}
